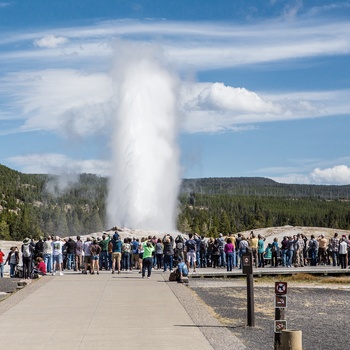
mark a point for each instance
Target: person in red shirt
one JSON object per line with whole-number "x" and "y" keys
{"x": 1, "y": 263}
{"x": 40, "y": 266}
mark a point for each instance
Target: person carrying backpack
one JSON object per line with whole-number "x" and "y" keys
{"x": 27, "y": 256}
{"x": 168, "y": 243}
{"x": 179, "y": 247}
{"x": 313, "y": 247}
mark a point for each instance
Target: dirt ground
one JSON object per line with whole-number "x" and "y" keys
{"x": 320, "y": 312}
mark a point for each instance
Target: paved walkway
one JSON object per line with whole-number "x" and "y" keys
{"x": 108, "y": 311}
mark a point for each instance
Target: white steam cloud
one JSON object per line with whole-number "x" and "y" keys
{"x": 145, "y": 175}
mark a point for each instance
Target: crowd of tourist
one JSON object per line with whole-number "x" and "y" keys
{"x": 53, "y": 255}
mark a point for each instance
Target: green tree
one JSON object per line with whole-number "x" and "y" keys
{"x": 4, "y": 231}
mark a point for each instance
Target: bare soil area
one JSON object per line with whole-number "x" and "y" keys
{"x": 321, "y": 312}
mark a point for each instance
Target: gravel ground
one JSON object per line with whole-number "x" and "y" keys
{"x": 321, "y": 313}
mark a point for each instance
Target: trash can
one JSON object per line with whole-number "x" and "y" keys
{"x": 291, "y": 340}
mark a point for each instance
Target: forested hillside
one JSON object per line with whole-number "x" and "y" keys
{"x": 259, "y": 186}
{"x": 34, "y": 205}
{"x": 214, "y": 205}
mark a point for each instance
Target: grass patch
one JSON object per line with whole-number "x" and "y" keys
{"x": 338, "y": 280}
{"x": 304, "y": 278}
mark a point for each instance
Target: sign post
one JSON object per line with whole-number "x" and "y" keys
{"x": 280, "y": 306}
{"x": 247, "y": 264}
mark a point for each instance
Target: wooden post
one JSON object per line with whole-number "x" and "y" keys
{"x": 250, "y": 300}
{"x": 279, "y": 315}
{"x": 247, "y": 264}
{"x": 280, "y": 305}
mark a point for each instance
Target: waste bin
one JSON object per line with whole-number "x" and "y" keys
{"x": 291, "y": 340}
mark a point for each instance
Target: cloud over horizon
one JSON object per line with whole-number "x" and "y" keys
{"x": 337, "y": 175}
{"x": 59, "y": 164}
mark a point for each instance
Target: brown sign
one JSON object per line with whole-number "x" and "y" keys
{"x": 280, "y": 301}
{"x": 281, "y": 288}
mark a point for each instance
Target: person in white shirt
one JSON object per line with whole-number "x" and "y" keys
{"x": 87, "y": 254}
{"x": 343, "y": 249}
{"x": 57, "y": 256}
{"x": 48, "y": 254}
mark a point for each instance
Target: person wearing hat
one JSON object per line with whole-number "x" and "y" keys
{"x": 27, "y": 256}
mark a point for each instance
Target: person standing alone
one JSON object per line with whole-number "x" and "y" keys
{"x": 148, "y": 249}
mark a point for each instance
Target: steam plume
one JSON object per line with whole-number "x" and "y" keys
{"x": 145, "y": 169}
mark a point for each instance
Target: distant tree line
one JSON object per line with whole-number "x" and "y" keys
{"x": 212, "y": 214}
{"x": 35, "y": 205}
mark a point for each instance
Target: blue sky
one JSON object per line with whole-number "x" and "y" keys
{"x": 264, "y": 85}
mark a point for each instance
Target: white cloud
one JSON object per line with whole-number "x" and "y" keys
{"x": 217, "y": 96}
{"x": 215, "y": 107}
{"x": 50, "y": 41}
{"x": 199, "y": 45}
{"x": 62, "y": 101}
{"x": 338, "y": 175}
{"x": 70, "y": 102}
{"x": 53, "y": 163}
{"x": 209, "y": 107}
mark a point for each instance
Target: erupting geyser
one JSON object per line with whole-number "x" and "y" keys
{"x": 145, "y": 177}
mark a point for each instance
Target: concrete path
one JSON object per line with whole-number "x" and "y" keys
{"x": 103, "y": 311}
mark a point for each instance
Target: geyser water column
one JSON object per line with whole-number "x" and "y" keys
{"x": 145, "y": 179}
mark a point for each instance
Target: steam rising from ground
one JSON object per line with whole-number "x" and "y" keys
{"x": 145, "y": 175}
